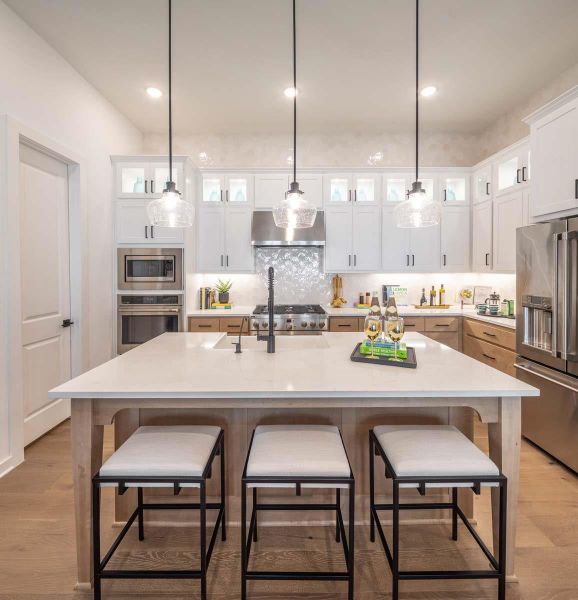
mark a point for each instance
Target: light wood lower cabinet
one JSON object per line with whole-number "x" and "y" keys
{"x": 490, "y": 344}
{"x": 229, "y": 325}
{"x": 345, "y": 324}
{"x": 493, "y": 334}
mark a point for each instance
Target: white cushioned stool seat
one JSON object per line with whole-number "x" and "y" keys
{"x": 433, "y": 451}
{"x": 169, "y": 451}
{"x": 297, "y": 451}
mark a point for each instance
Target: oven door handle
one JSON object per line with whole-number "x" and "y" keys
{"x": 148, "y": 311}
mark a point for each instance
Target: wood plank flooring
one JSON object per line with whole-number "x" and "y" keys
{"x": 37, "y": 554}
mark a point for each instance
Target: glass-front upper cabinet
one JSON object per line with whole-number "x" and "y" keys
{"x": 395, "y": 187}
{"x": 160, "y": 176}
{"x": 511, "y": 170}
{"x": 366, "y": 189}
{"x": 482, "y": 184}
{"x": 454, "y": 188}
{"x": 132, "y": 180}
{"x": 225, "y": 189}
{"x": 338, "y": 189}
{"x": 341, "y": 188}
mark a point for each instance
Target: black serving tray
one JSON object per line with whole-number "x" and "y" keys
{"x": 409, "y": 363}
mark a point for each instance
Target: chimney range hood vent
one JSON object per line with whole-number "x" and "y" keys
{"x": 264, "y": 232}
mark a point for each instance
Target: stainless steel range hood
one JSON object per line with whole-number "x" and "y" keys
{"x": 264, "y": 232}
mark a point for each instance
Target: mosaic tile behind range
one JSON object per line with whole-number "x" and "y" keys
{"x": 299, "y": 277}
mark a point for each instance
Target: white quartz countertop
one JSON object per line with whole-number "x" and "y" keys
{"x": 404, "y": 311}
{"x": 186, "y": 365}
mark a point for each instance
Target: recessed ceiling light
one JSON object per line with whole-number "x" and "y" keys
{"x": 154, "y": 92}
{"x": 430, "y": 90}
{"x": 291, "y": 92}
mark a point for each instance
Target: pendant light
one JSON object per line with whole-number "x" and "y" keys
{"x": 170, "y": 210}
{"x": 294, "y": 212}
{"x": 418, "y": 210}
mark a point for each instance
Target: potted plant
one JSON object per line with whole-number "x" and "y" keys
{"x": 223, "y": 287}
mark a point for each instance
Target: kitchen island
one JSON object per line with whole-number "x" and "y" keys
{"x": 197, "y": 377}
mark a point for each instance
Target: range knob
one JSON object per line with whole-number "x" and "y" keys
{"x": 312, "y": 324}
{"x": 303, "y": 323}
{"x": 265, "y": 325}
{"x": 321, "y": 324}
{"x": 275, "y": 325}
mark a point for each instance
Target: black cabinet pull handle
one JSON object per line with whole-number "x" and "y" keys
{"x": 407, "y": 255}
{"x": 349, "y": 195}
{"x": 227, "y": 261}
{"x": 355, "y": 258}
{"x": 221, "y": 195}
{"x": 152, "y": 231}
{"x": 442, "y": 324}
{"x": 576, "y": 189}
{"x": 445, "y": 260}
{"x": 487, "y": 259}
{"x": 146, "y": 186}
{"x": 524, "y": 169}
{"x": 413, "y": 260}
{"x": 445, "y": 195}
{"x": 152, "y": 186}
{"x": 227, "y": 196}
{"x": 489, "y": 334}
{"x": 488, "y": 356}
{"x": 146, "y": 232}
{"x": 221, "y": 260}
{"x": 349, "y": 255}
{"x": 487, "y": 188}
{"x": 355, "y": 195}
{"x": 518, "y": 171}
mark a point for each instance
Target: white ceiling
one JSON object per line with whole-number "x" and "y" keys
{"x": 232, "y": 59}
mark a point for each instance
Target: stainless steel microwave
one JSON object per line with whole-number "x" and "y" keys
{"x": 150, "y": 268}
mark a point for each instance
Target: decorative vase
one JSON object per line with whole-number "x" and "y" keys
{"x": 224, "y": 297}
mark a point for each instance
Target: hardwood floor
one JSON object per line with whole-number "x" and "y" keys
{"x": 37, "y": 555}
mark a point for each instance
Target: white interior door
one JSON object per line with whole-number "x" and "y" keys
{"x": 45, "y": 289}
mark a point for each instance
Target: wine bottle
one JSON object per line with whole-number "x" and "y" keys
{"x": 442, "y": 295}
{"x": 432, "y": 296}
{"x": 423, "y": 299}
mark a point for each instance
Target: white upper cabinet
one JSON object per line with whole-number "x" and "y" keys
{"x": 366, "y": 189}
{"x": 355, "y": 188}
{"x": 482, "y": 236}
{"x": 395, "y": 244}
{"x": 211, "y": 240}
{"x": 511, "y": 169}
{"x": 395, "y": 187}
{"x": 311, "y": 184}
{"x": 134, "y": 227}
{"x": 366, "y": 237}
{"x": 454, "y": 188}
{"x": 146, "y": 179}
{"x": 239, "y": 254}
{"x": 554, "y": 143}
{"x": 425, "y": 249}
{"x": 455, "y": 239}
{"x": 221, "y": 188}
{"x": 482, "y": 183}
{"x": 339, "y": 239}
{"x": 509, "y": 214}
{"x": 270, "y": 189}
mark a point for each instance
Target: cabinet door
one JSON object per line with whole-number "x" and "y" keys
{"x": 425, "y": 249}
{"x": 132, "y": 180}
{"x": 166, "y": 235}
{"x": 508, "y": 216}
{"x": 482, "y": 236}
{"x": 511, "y": 170}
{"x": 337, "y": 190}
{"x": 455, "y": 239}
{"x": 211, "y": 240}
{"x": 159, "y": 175}
{"x": 555, "y": 162}
{"x": 366, "y": 189}
{"x": 270, "y": 189}
{"x": 212, "y": 190}
{"x": 482, "y": 184}
{"x": 338, "y": 239}
{"x": 312, "y": 186}
{"x": 454, "y": 189}
{"x": 395, "y": 187}
{"x": 238, "y": 249}
{"x": 366, "y": 238}
{"x": 132, "y": 222}
{"x": 239, "y": 191}
{"x": 395, "y": 251}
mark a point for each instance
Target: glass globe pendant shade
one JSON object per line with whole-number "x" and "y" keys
{"x": 418, "y": 210}
{"x": 170, "y": 210}
{"x": 294, "y": 212}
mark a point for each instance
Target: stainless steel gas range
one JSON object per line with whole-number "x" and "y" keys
{"x": 291, "y": 319}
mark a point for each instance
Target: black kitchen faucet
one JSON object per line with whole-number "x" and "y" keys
{"x": 270, "y": 337}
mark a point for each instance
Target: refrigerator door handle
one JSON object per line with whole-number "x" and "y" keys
{"x": 556, "y": 237}
{"x": 567, "y": 237}
{"x": 547, "y": 374}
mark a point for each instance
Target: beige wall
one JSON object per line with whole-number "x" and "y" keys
{"x": 509, "y": 128}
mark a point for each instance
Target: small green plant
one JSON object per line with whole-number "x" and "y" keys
{"x": 223, "y": 287}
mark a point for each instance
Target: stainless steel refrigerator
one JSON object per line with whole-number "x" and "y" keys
{"x": 547, "y": 334}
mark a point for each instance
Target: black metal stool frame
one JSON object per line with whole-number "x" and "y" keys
{"x": 99, "y": 564}
{"x": 498, "y": 570}
{"x": 340, "y": 534}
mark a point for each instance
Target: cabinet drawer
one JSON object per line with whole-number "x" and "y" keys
{"x": 491, "y": 333}
{"x": 449, "y": 338}
{"x": 414, "y": 323}
{"x": 204, "y": 324}
{"x": 344, "y": 323}
{"x": 490, "y": 354}
{"x": 232, "y": 325}
{"x": 441, "y": 323}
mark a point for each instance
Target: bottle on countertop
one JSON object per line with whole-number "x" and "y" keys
{"x": 442, "y": 297}
{"x": 375, "y": 300}
{"x": 361, "y": 298}
{"x": 367, "y": 298}
{"x": 423, "y": 299}
{"x": 432, "y": 296}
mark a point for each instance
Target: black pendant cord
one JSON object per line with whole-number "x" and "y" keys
{"x": 294, "y": 97}
{"x": 416, "y": 90}
{"x": 170, "y": 93}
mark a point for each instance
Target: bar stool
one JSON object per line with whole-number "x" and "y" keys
{"x": 425, "y": 456}
{"x": 174, "y": 457}
{"x": 296, "y": 457}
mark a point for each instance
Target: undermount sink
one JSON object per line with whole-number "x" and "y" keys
{"x": 283, "y": 343}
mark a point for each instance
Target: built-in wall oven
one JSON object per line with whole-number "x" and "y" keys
{"x": 150, "y": 268}
{"x": 143, "y": 317}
